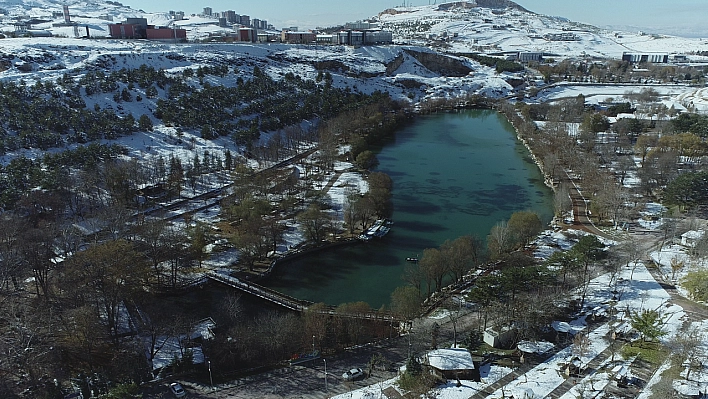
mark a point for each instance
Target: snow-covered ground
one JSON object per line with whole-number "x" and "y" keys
{"x": 638, "y": 291}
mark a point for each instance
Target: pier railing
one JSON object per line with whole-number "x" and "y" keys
{"x": 295, "y": 304}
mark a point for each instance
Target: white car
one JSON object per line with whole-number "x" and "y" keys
{"x": 177, "y": 390}
{"x": 353, "y": 374}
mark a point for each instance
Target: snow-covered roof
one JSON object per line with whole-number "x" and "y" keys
{"x": 450, "y": 359}
{"x": 693, "y": 234}
{"x": 562, "y": 326}
{"x": 535, "y": 347}
{"x": 203, "y": 329}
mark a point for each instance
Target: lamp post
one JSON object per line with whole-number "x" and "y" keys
{"x": 325, "y": 363}
{"x": 410, "y": 332}
{"x": 211, "y": 381}
{"x": 313, "y": 344}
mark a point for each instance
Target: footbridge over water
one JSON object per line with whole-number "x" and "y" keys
{"x": 291, "y": 303}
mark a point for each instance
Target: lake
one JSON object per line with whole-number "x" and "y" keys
{"x": 453, "y": 174}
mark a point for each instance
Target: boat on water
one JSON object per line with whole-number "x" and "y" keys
{"x": 379, "y": 229}
{"x": 412, "y": 259}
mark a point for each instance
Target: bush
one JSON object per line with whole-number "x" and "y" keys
{"x": 123, "y": 391}
{"x": 651, "y": 352}
{"x": 696, "y": 283}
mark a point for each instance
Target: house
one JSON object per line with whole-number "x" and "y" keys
{"x": 691, "y": 238}
{"x": 451, "y": 364}
{"x": 499, "y": 338}
{"x": 529, "y": 348}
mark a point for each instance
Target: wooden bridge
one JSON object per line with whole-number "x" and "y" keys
{"x": 260, "y": 291}
{"x": 291, "y": 303}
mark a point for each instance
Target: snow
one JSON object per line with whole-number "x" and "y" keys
{"x": 677, "y": 255}
{"x": 651, "y": 216}
{"x": 467, "y": 30}
{"x": 490, "y": 375}
{"x": 641, "y": 292}
{"x": 450, "y": 359}
{"x": 535, "y": 347}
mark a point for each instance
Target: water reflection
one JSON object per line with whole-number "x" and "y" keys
{"x": 453, "y": 174}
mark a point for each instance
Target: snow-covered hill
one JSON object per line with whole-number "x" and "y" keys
{"x": 466, "y": 27}
{"x": 491, "y": 26}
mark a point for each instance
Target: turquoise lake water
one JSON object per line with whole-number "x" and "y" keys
{"x": 454, "y": 174}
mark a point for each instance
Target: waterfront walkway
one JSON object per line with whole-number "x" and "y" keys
{"x": 291, "y": 303}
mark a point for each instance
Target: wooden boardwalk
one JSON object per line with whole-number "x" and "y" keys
{"x": 260, "y": 291}
{"x": 291, "y": 303}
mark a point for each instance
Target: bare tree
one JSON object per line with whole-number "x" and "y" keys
{"x": 434, "y": 268}
{"x": 500, "y": 240}
{"x": 686, "y": 345}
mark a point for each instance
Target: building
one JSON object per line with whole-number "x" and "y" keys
{"x": 326, "y": 39}
{"x": 297, "y": 37}
{"x": 378, "y": 37}
{"x": 561, "y": 37}
{"x": 247, "y": 35}
{"x": 244, "y": 20}
{"x": 165, "y": 33}
{"x": 177, "y": 15}
{"x": 67, "y": 17}
{"x": 350, "y": 38}
{"x": 691, "y": 238}
{"x": 529, "y": 57}
{"x": 499, "y": 338}
{"x": 360, "y": 38}
{"x": 259, "y": 24}
{"x": 38, "y": 33}
{"x": 361, "y": 25}
{"x": 22, "y": 27}
{"x": 138, "y": 28}
{"x": 265, "y": 37}
{"x": 231, "y": 16}
{"x": 207, "y": 11}
{"x": 451, "y": 364}
{"x": 654, "y": 58}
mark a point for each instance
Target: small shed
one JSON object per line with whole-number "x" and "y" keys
{"x": 621, "y": 330}
{"x": 574, "y": 367}
{"x": 451, "y": 364}
{"x": 691, "y": 238}
{"x": 528, "y": 348}
{"x": 621, "y": 374}
{"x": 565, "y": 331}
{"x": 498, "y": 338}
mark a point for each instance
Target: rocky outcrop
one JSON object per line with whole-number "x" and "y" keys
{"x": 440, "y": 64}
{"x": 396, "y": 63}
{"x": 500, "y": 4}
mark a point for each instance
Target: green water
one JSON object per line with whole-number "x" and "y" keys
{"x": 454, "y": 174}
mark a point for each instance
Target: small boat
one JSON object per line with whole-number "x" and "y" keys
{"x": 411, "y": 259}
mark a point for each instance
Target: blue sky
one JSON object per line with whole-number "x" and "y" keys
{"x": 688, "y": 16}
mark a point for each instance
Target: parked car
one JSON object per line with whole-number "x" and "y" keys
{"x": 353, "y": 374}
{"x": 177, "y": 390}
